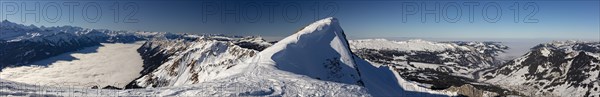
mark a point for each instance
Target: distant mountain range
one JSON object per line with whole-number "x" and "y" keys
{"x": 22, "y": 44}
{"x": 561, "y": 68}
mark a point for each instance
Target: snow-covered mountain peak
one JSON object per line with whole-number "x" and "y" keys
{"x": 419, "y": 40}
{"x": 320, "y": 51}
{"x": 7, "y": 23}
{"x": 559, "y": 44}
{"x": 322, "y": 24}
{"x": 568, "y": 47}
{"x": 11, "y": 25}
{"x": 551, "y": 68}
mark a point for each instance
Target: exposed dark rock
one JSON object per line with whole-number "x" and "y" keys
{"x": 112, "y": 87}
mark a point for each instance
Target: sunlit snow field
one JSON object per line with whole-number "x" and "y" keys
{"x": 114, "y": 64}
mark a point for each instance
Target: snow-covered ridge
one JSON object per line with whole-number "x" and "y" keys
{"x": 435, "y": 65}
{"x": 550, "y": 69}
{"x": 410, "y": 45}
{"x": 423, "y": 45}
{"x": 192, "y": 62}
{"x": 570, "y": 46}
{"x": 320, "y": 50}
{"x": 462, "y": 56}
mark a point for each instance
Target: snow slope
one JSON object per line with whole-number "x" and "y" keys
{"x": 321, "y": 51}
{"x": 110, "y": 64}
{"x": 192, "y": 62}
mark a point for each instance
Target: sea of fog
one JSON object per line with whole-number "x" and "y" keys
{"x": 114, "y": 64}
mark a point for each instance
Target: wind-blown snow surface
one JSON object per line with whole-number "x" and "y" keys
{"x": 320, "y": 51}
{"x": 114, "y": 64}
{"x": 315, "y": 61}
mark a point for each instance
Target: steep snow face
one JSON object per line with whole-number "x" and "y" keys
{"x": 384, "y": 81}
{"x": 561, "y": 68}
{"x": 192, "y": 62}
{"x": 320, "y": 51}
{"x": 110, "y": 64}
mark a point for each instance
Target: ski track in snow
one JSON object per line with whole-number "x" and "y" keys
{"x": 111, "y": 64}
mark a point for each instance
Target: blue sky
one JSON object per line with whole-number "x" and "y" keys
{"x": 543, "y": 19}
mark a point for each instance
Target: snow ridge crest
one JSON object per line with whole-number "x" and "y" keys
{"x": 320, "y": 51}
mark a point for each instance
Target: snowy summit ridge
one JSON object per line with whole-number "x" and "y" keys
{"x": 320, "y": 50}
